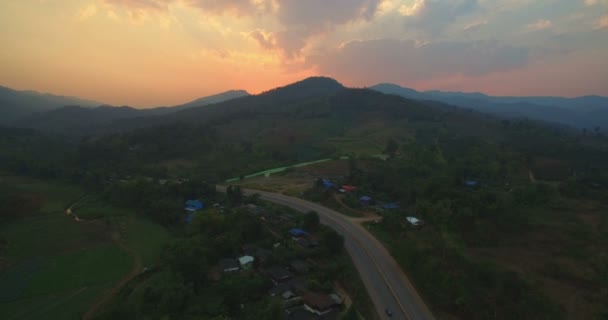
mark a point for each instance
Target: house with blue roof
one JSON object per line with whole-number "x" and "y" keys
{"x": 298, "y": 233}
{"x": 328, "y": 184}
{"x": 470, "y": 183}
{"x": 193, "y": 205}
{"x": 390, "y": 205}
{"x": 365, "y": 200}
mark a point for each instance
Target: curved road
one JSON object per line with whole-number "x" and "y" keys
{"x": 386, "y": 284}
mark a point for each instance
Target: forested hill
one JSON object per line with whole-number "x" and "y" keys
{"x": 314, "y": 119}
{"x": 76, "y": 121}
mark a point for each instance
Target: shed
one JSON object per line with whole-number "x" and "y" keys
{"x": 414, "y": 221}
{"x": 246, "y": 261}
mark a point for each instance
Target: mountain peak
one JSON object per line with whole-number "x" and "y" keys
{"x": 312, "y": 86}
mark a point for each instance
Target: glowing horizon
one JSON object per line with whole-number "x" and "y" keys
{"x": 148, "y": 53}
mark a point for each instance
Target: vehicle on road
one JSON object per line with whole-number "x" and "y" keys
{"x": 388, "y": 312}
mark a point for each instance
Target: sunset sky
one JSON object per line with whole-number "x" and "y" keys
{"x": 162, "y": 52}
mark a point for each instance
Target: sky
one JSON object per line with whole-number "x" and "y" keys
{"x": 148, "y": 53}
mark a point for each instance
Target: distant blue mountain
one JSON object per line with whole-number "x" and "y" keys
{"x": 15, "y": 104}
{"x": 582, "y": 112}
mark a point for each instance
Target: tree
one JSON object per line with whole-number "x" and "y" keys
{"x": 333, "y": 241}
{"x": 311, "y": 221}
{"x": 391, "y": 147}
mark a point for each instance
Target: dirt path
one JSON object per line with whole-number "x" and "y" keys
{"x": 137, "y": 266}
{"x": 106, "y": 296}
{"x": 68, "y": 210}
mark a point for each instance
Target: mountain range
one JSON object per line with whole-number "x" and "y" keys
{"x": 586, "y": 112}
{"x": 68, "y": 115}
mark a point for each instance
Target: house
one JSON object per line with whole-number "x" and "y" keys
{"x": 336, "y": 298}
{"x": 414, "y": 221}
{"x": 298, "y": 233}
{"x": 390, "y": 205}
{"x": 246, "y": 262}
{"x": 193, "y": 205}
{"x": 298, "y": 284}
{"x": 229, "y": 265}
{"x": 365, "y": 200}
{"x": 328, "y": 184}
{"x": 299, "y": 266}
{"x": 278, "y": 274}
{"x": 280, "y": 289}
{"x": 318, "y": 303}
{"x": 470, "y": 183}
{"x": 348, "y": 188}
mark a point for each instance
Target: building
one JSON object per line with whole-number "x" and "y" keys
{"x": 298, "y": 233}
{"x": 246, "y": 262}
{"x": 390, "y": 205}
{"x": 348, "y": 188}
{"x": 193, "y": 205}
{"x": 328, "y": 184}
{"x": 229, "y": 265}
{"x": 278, "y": 274}
{"x": 318, "y": 303}
{"x": 365, "y": 200}
{"x": 414, "y": 221}
{"x": 470, "y": 183}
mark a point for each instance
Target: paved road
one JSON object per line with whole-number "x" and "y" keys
{"x": 386, "y": 284}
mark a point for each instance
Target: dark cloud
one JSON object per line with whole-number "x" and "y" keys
{"x": 434, "y": 16}
{"x": 263, "y": 40}
{"x": 305, "y": 18}
{"x": 404, "y": 61}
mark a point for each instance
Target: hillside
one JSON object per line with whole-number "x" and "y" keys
{"x": 79, "y": 121}
{"x": 586, "y": 112}
{"x": 15, "y": 104}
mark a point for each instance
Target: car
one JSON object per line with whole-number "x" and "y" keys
{"x": 388, "y": 312}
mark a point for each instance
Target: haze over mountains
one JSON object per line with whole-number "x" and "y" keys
{"x": 582, "y": 112}
{"x": 68, "y": 115}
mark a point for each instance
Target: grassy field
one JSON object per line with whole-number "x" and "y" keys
{"x": 147, "y": 239}
{"x": 56, "y": 196}
{"x": 54, "y": 267}
{"x": 91, "y": 207}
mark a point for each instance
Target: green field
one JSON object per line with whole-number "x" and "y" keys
{"x": 54, "y": 267}
{"x": 91, "y": 207}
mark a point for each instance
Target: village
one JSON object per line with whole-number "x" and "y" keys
{"x": 291, "y": 263}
